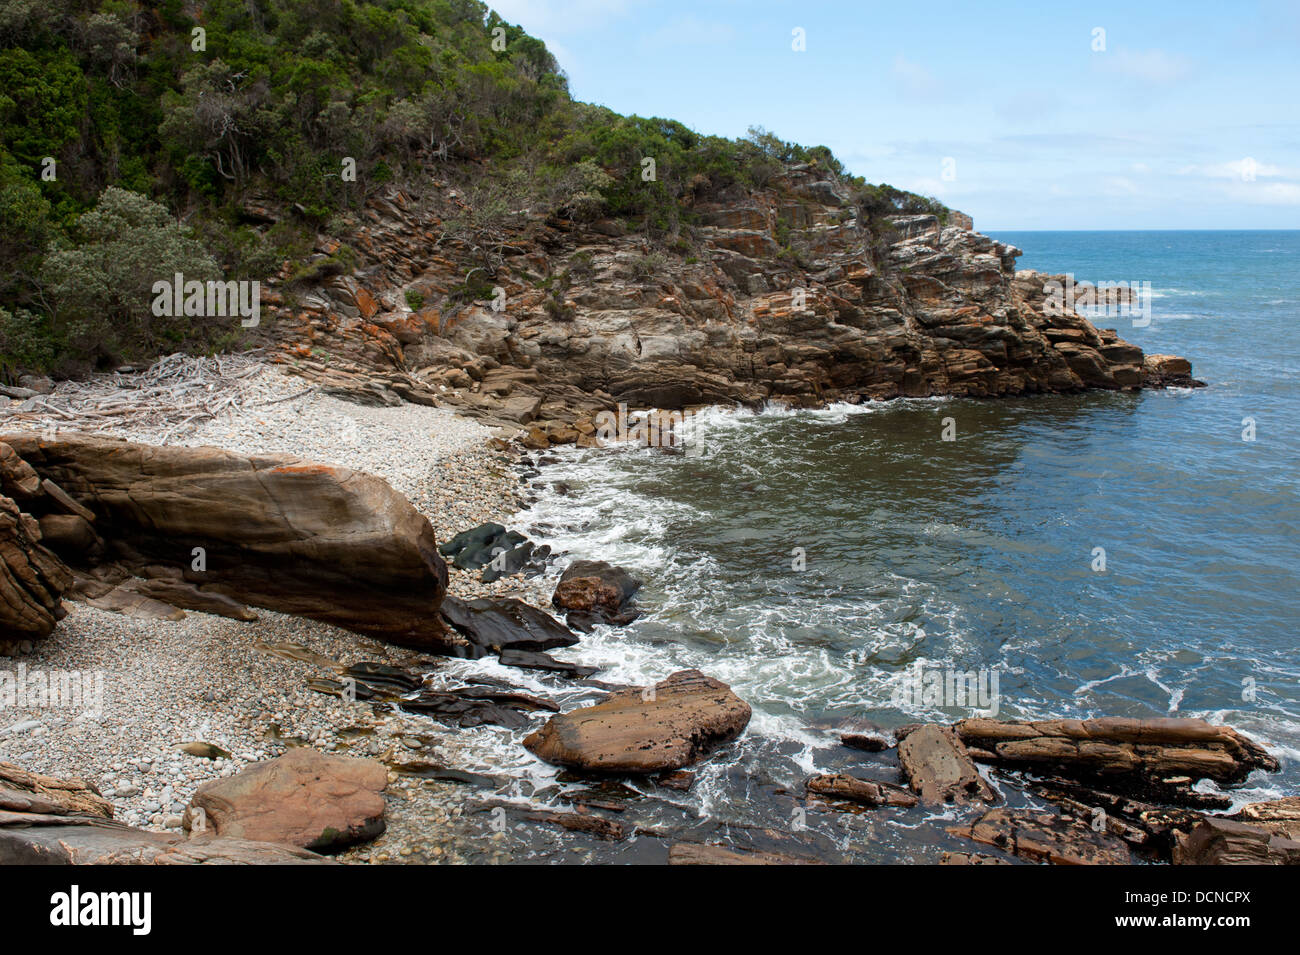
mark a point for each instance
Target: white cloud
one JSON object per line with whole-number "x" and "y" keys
{"x": 1150, "y": 66}
{"x": 914, "y": 79}
{"x": 1119, "y": 186}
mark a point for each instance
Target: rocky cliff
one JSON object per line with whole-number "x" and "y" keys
{"x": 783, "y": 293}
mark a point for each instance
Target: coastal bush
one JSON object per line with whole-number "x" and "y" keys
{"x": 112, "y": 94}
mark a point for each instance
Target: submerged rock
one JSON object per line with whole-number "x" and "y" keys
{"x": 667, "y": 726}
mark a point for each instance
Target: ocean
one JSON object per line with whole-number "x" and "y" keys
{"x": 1120, "y": 554}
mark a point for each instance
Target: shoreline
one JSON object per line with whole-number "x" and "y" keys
{"x": 243, "y": 686}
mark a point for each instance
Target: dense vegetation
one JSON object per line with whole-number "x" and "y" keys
{"x": 134, "y": 136}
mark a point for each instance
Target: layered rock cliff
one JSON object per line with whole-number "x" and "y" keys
{"x": 783, "y": 293}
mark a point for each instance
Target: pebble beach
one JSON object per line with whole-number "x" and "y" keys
{"x": 242, "y": 686}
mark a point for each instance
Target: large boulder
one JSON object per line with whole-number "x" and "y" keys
{"x": 645, "y": 730}
{"x": 303, "y": 798}
{"x": 276, "y": 532}
{"x": 593, "y": 591}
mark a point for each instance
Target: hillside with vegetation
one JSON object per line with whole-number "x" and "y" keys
{"x": 134, "y": 139}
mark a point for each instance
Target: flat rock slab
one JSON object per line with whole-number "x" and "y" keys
{"x": 108, "y": 844}
{"x": 696, "y": 853}
{"x": 303, "y": 798}
{"x": 865, "y": 791}
{"x": 667, "y": 726}
{"x": 1214, "y": 841}
{"x": 1043, "y": 837}
{"x": 495, "y": 624}
{"x": 938, "y": 768}
{"x": 1146, "y": 751}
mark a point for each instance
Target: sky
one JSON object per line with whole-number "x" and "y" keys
{"x": 1037, "y": 115}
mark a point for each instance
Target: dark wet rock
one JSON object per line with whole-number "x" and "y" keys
{"x": 866, "y": 791}
{"x": 498, "y": 551}
{"x": 596, "y": 592}
{"x": 383, "y": 676}
{"x": 303, "y": 798}
{"x": 425, "y": 770}
{"x": 1216, "y": 841}
{"x": 472, "y": 706}
{"x": 1044, "y": 837}
{"x": 681, "y": 780}
{"x": 867, "y": 742}
{"x": 536, "y": 660}
{"x": 504, "y": 623}
{"x": 664, "y": 727}
{"x": 580, "y": 821}
{"x": 698, "y": 853}
{"x": 1157, "y": 758}
{"x": 938, "y": 768}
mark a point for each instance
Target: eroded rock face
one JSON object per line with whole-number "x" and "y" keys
{"x": 32, "y": 579}
{"x": 1159, "y": 755}
{"x": 1043, "y": 837}
{"x": 938, "y": 768}
{"x": 303, "y": 798}
{"x": 670, "y": 725}
{"x": 1216, "y": 841}
{"x": 789, "y": 295}
{"x": 96, "y": 844}
{"x": 306, "y": 539}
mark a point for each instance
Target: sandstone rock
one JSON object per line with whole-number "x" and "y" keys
{"x": 110, "y": 844}
{"x": 22, "y": 791}
{"x": 970, "y": 858}
{"x": 698, "y": 853}
{"x": 597, "y": 590}
{"x": 1043, "y": 837}
{"x": 865, "y": 791}
{"x": 302, "y": 798}
{"x": 1141, "y": 756}
{"x": 937, "y": 767}
{"x": 32, "y": 579}
{"x": 1216, "y": 841}
{"x": 670, "y": 725}
{"x": 1279, "y": 816}
{"x": 307, "y": 539}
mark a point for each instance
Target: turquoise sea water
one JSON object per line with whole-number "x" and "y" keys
{"x": 980, "y": 554}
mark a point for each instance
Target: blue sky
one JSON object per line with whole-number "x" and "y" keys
{"x": 1188, "y": 119}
